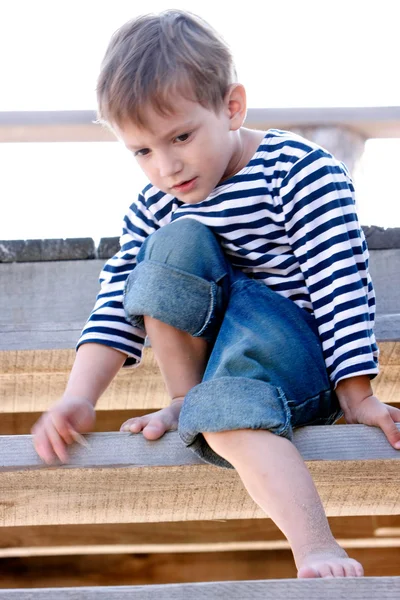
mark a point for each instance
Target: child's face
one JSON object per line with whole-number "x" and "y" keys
{"x": 186, "y": 154}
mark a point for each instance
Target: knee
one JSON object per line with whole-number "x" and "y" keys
{"x": 228, "y": 444}
{"x": 178, "y": 244}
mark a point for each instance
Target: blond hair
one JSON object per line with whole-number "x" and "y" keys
{"x": 152, "y": 59}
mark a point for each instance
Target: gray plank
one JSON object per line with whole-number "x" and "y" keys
{"x": 46, "y": 250}
{"x": 387, "y": 327}
{"x": 382, "y": 238}
{"x": 362, "y": 588}
{"x": 52, "y": 300}
{"x": 120, "y": 449}
{"x": 385, "y": 273}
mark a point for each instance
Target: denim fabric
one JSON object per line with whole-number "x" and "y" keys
{"x": 266, "y": 369}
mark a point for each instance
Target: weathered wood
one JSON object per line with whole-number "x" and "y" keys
{"x": 385, "y": 272}
{"x": 356, "y": 531}
{"x": 47, "y": 249}
{"x": 103, "y": 484}
{"x": 384, "y": 588}
{"x": 32, "y": 380}
{"x": 121, "y": 449}
{"x": 50, "y": 305}
{"x": 387, "y": 385}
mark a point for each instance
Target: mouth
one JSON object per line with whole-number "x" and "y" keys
{"x": 185, "y": 186}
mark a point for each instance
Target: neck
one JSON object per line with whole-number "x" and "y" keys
{"x": 245, "y": 144}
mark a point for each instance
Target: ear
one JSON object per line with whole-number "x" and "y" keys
{"x": 236, "y": 105}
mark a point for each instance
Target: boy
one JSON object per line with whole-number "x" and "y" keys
{"x": 244, "y": 263}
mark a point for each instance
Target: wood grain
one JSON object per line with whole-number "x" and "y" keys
{"x": 104, "y": 484}
{"x": 32, "y": 380}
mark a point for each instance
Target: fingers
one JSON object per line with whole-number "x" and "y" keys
{"x": 51, "y": 436}
{"x": 394, "y": 413}
{"x": 48, "y": 443}
{"x": 389, "y": 428}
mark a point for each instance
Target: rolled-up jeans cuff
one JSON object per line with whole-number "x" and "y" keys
{"x": 170, "y": 295}
{"x": 231, "y": 403}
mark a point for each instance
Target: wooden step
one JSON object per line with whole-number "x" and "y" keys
{"x": 363, "y": 588}
{"x": 32, "y": 380}
{"x": 124, "y": 478}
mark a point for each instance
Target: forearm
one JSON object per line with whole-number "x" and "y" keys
{"x": 94, "y": 368}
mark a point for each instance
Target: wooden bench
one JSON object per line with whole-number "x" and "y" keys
{"x": 130, "y": 511}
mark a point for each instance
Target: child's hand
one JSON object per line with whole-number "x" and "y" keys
{"x": 61, "y": 426}
{"x": 156, "y": 424}
{"x": 371, "y": 411}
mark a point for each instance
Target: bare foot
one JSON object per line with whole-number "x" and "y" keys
{"x": 156, "y": 424}
{"x": 329, "y": 564}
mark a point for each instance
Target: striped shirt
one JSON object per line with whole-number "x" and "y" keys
{"x": 288, "y": 219}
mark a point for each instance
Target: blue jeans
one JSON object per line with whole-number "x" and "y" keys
{"x": 265, "y": 370}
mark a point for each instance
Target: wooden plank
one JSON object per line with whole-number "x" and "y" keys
{"x": 385, "y": 273}
{"x": 31, "y": 381}
{"x": 120, "y": 449}
{"x": 77, "y": 125}
{"x": 50, "y": 305}
{"x": 365, "y": 531}
{"x": 387, "y": 385}
{"x": 363, "y": 588}
{"x": 40, "y": 317}
{"x": 103, "y": 484}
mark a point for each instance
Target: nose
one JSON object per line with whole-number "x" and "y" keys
{"x": 169, "y": 165}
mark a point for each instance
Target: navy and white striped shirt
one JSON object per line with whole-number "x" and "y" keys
{"x": 287, "y": 218}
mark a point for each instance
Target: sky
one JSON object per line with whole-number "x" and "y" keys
{"x": 292, "y": 54}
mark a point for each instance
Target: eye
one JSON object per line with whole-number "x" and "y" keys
{"x": 182, "y": 138}
{"x": 142, "y": 152}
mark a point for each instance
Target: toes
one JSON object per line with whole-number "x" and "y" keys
{"x": 350, "y": 569}
{"x": 307, "y": 573}
{"x": 325, "y": 570}
{"x": 154, "y": 430}
{"x": 337, "y": 570}
{"x": 358, "y": 568}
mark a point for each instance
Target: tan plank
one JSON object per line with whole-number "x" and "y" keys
{"x": 387, "y": 385}
{"x": 100, "y": 486}
{"x": 67, "y": 496}
{"x": 31, "y": 381}
{"x": 241, "y": 567}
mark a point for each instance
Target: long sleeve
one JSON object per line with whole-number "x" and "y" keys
{"x": 321, "y": 223}
{"x": 107, "y": 323}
